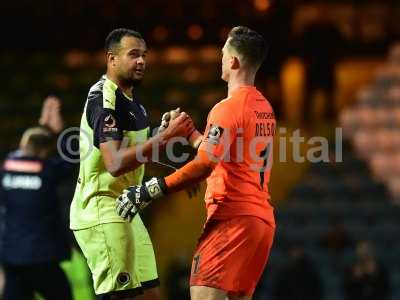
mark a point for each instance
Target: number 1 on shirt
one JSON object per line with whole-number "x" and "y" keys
{"x": 264, "y": 154}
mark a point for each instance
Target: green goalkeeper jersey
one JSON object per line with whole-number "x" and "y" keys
{"x": 108, "y": 115}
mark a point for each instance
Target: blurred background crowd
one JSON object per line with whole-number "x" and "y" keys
{"x": 330, "y": 64}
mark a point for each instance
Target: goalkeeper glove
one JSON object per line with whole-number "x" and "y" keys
{"x": 135, "y": 198}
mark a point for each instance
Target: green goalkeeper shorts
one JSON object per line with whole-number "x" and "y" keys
{"x": 120, "y": 256}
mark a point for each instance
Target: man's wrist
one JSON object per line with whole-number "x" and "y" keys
{"x": 195, "y": 139}
{"x": 156, "y": 187}
{"x": 160, "y": 139}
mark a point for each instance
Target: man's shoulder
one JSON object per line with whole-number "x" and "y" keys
{"x": 95, "y": 101}
{"x": 253, "y": 99}
{"x": 238, "y": 97}
{"x": 103, "y": 93}
{"x": 96, "y": 90}
{"x": 100, "y": 97}
{"x": 226, "y": 103}
{"x": 15, "y": 154}
{"x": 229, "y": 106}
{"x": 249, "y": 93}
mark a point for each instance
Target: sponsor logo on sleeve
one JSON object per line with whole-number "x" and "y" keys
{"x": 214, "y": 134}
{"x": 110, "y": 124}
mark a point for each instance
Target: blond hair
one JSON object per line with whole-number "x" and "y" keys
{"x": 36, "y": 139}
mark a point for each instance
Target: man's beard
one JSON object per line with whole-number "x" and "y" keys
{"x": 132, "y": 81}
{"x": 136, "y": 81}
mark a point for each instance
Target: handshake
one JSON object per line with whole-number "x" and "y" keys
{"x": 177, "y": 123}
{"x": 135, "y": 198}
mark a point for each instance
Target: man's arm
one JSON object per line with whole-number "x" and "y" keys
{"x": 119, "y": 159}
{"x": 220, "y": 133}
{"x": 194, "y": 139}
{"x": 192, "y": 173}
{"x": 136, "y": 198}
{"x": 51, "y": 115}
{"x": 51, "y": 118}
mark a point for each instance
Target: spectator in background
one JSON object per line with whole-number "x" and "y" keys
{"x": 35, "y": 240}
{"x": 336, "y": 239}
{"x": 1, "y": 281}
{"x": 322, "y": 42}
{"x": 298, "y": 279}
{"x": 366, "y": 278}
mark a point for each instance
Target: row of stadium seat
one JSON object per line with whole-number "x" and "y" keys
{"x": 376, "y": 117}
{"x": 338, "y": 204}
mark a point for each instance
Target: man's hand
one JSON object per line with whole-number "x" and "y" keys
{"x": 51, "y": 114}
{"x": 135, "y": 198}
{"x": 167, "y": 117}
{"x": 181, "y": 126}
{"x": 194, "y": 138}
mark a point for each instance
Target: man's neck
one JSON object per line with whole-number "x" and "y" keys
{"x": 125, "y": 88}
{"x": 31, "y": 153}
{"x": 240, "y": 79}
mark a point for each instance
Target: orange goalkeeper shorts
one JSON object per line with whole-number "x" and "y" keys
{"x": 232, "y": 254}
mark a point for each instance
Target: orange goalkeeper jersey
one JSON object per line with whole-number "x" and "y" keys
{"x": 239, "y": 132}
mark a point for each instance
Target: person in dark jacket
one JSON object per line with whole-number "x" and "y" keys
{"x": 366, "y": 278}
{"x": 298, "y": 279}
{"x": 35, "y": 238}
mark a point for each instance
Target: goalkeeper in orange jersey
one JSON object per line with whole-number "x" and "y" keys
{"x": 234, "y": 155}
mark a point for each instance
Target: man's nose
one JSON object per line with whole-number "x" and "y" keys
{"x": 141, "y": 60}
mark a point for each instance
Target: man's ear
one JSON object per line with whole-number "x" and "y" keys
{"x": 235, "y": 63}
{"x": 110, "y": 58}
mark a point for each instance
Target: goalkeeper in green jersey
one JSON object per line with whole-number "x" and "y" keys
{"x": 114, "y": 145}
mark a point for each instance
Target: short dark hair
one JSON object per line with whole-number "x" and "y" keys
{"x": 114, "y": 37}
{"x": 249, "y": 44}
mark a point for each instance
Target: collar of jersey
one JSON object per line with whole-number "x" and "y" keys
{"x": 116, "y": 85}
